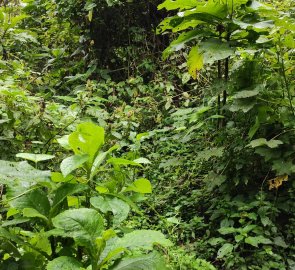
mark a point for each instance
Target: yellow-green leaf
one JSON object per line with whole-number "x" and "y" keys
{"x": 195, "y": 62}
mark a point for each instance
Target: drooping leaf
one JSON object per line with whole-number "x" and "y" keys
{"x": 64, "y": 263}
{"x": 73, "y": 162}
{"x": 118, "y": 207}
{"x": 82, "y": 224}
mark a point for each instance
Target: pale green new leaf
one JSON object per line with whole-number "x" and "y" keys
{"x": 141, "y": 185}
{"x": 64, "y": 263}
{"x": 87, "y": 139}
{"x": 71, "y": 163}
{"x": 34, "y": 157}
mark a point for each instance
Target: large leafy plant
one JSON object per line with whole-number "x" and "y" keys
{"x": 70, "y": 219}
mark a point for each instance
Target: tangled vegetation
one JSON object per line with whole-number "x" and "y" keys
{"x": 149, "y": 134}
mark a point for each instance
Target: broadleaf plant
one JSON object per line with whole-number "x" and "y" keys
{"x": 86, "y": 234}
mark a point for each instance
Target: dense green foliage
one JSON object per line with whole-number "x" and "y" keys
{"x": 147, "y": 134}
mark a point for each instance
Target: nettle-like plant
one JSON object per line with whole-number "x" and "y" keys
{"x": 73, "y": 219}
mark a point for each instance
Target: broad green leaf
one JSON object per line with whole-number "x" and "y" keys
{"x": 34, "y": 157}
{"x": 61, "y": 193}
{"x": 214, "y": 50}
{"x": 233, "y": 4}
{"x": 227, "y": 230}
{"x": 73, "y": 162}
{"x": 87, "y": 139}
{"x": 31, "y": 212}
{"x": 143, "y": 239}
{"x": 41, "y": 242}
{"x": 84, "y": 225}
{"x": 209, "y": 153}
{"x": 262, "y": 141}
{"x": 64, "y": 263}
{"x": 246, "y": 94}
{"x": 243, "y": 104}
{"x": 141, "y": 185}
{"x": 254, "y": 241}
{"x": 64, "y": 142}
{"x": 225, "y": 250}
{"x": 152, "y": 261}
{"x": 177, "y": 4}
{"x": 89, "y": 5}
{"x": 123, "y": 161}
{"x": 215, "y": 241}
{"x": 57, "y": 177}
{"x": 35, "y": 199}
{"x": 6, "y": 234}
{"x": 28, "y": 175}
{"x": 279, "y": 241}
{"x": 118, "y": 207}
{"x": 14, "y": 222}
{"x": 195, "y": 62}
